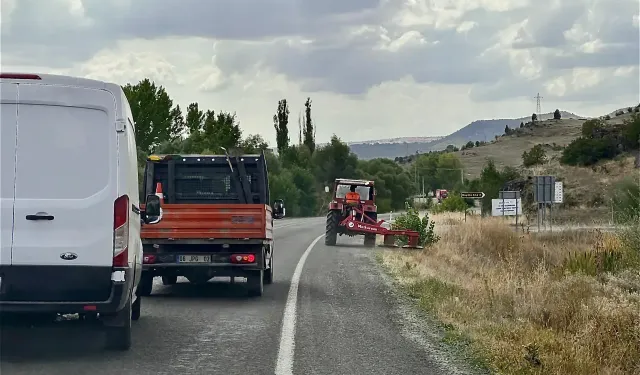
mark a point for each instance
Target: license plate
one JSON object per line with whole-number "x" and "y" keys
{"x": 194, "y": 258}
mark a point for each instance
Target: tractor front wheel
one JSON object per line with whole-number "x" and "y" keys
{"x": 331, "y": 232}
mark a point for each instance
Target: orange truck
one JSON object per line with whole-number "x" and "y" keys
{"x": 216, "y": 220}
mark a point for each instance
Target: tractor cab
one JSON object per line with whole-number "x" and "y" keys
{"x": 343, "y": 192}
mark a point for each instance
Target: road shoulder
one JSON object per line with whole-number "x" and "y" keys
{"x": 448, "y": 350}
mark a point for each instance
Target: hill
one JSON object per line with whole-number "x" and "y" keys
{"x": 480, "y": 130}
{"x": 585, "y": 187}
{"x": 486, "y": 130}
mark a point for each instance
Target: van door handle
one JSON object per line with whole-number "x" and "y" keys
{"x": 40, "y": 216}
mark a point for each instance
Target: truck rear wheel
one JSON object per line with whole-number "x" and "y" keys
{"x": 169, "y": 280}
{"x": 255, "y": 283}
{"x": 268, "y": 273}
{"x": 145, "y": 286}
{"x": 331, "y": 231}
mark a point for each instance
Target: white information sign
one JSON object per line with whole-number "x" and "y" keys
{"x": 559, "y": 193}
{"x": 506, "y": 207}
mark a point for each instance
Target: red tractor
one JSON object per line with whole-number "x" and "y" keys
{"x": 359, "y": 217}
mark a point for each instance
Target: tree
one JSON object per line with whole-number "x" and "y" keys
{"x": 507, "y": 130}
{"x": 194, "y": 120}
{"x": 469, "y": 144}
{"x": 557, "y": 115}
{"x": 296, "y": 174}
{"x": 521, "y": 124}
{"x": 281, "y": 123}
{"x": 477, "y": 143}
{"x": 491, "y": 181}
{"x": 534, "y": 117}
{"x": 535, "y": 156}
{"x": 309, "y": 131}
{"x": 151, "y": 107}
{"x": 254, "y": 144}
{"x": 334, "y": 160}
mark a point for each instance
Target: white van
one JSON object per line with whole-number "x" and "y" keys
{"x": 69, "y": 210}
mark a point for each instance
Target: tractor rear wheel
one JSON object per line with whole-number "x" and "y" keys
{"x": 331, "y": 232}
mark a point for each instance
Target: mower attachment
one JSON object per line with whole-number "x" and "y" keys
{"x": 368, "y": 225}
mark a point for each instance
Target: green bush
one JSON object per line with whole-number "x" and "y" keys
{"x": 593, "y": 262}
{"x": 631, "y": 132}
{"x": 411, "y": 220}
{"x": 587, "y": 151}
{"x": 454, "y": 203}
{"x": 626, "y": 201}
{"x": 535, "y": 156}
{"x": 589, "y": 127}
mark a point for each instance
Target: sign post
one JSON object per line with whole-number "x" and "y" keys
{"x": 510, "y": 199}
{"x": 475, "y": 195}
{"x": 544, "y": 194}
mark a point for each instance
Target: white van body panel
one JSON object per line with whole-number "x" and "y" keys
{"x": 75, "y": 153}
{"x": 8, "y": 121}
{"x": 67, "y": 167}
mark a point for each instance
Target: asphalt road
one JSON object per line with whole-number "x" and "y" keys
{"x": 338, "y": 319}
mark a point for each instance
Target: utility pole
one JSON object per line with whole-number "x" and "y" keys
{"x": 538, "y": 106}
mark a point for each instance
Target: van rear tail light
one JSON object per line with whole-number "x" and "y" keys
{"x": 19, "y": 76}
{"x": 148, "y": 259}
{"x": 243, "y": 258}
{"x": 121, "y": 232}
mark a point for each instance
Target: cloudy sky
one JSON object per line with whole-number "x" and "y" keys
{"x": 384, "y": 68}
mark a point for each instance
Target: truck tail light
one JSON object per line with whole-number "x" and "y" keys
{"x": 243, "y": 258}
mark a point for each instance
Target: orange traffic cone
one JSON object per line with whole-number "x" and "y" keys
{"x": 159, "y": 192}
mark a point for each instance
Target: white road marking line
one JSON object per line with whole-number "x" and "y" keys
{"x": 284, "y": 364}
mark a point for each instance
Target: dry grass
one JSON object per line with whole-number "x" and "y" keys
{"x": 512, "y": 296}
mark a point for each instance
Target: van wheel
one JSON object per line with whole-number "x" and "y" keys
{"x": 268, "y": 274}
{"x": 169, "y": 280}
{"x": 119, "y": 336}
{"x": 136, "y": 309}
{"x": 145, "y": 287}
{"x": 255, "y": 283}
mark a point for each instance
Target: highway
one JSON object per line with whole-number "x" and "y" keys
{"x": 339, "y": 318}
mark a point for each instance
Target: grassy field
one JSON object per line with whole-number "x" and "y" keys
{"x": 562, "y": 303}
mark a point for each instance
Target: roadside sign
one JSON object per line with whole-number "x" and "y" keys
{"x": 473, "y": 194}
{"x": 543, "y": 187}
{"x": 558, "y": 193}
{"x": 508, "y": 195}
{"x": 506, "y": 207}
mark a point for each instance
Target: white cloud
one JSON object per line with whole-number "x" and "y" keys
{"x": 401, "y": 68}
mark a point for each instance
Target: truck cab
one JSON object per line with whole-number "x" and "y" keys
{"x": 216, "y": 220}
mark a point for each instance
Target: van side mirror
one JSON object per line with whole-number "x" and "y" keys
{"x": 152, "y": 211}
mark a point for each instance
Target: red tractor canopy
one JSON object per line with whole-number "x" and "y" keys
{"x": 364, "y": 188}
